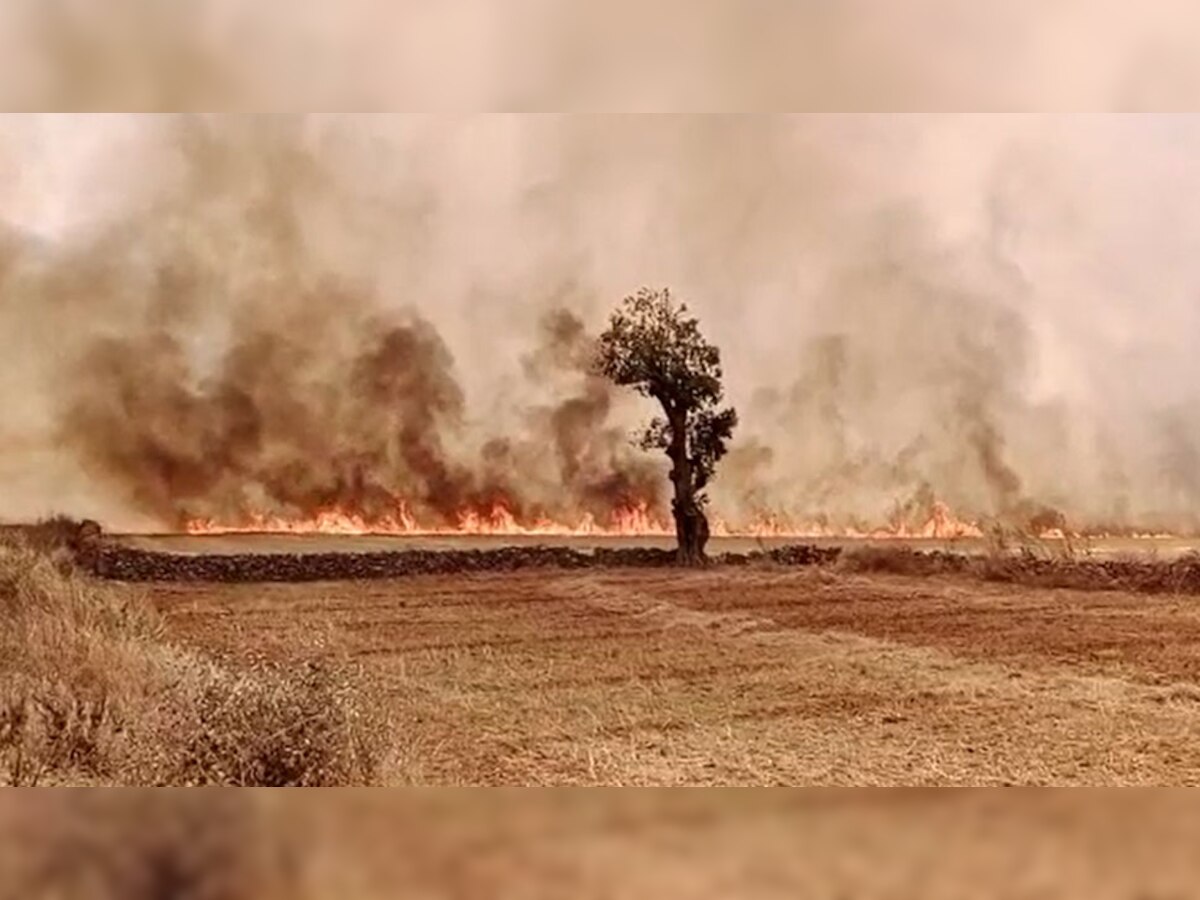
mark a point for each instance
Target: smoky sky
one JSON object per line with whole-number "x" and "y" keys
{"x": 621, "y": 55}
{"x": 206, "y": 314}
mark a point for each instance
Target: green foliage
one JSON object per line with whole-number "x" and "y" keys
{"x": 654, "y": 346}
{"x": 710, "y": 431}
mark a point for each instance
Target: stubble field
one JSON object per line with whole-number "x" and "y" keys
{"x": 755, "y": 676}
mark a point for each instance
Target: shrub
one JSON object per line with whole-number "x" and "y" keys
{"x": 92, "y": 691}
{"x": 900, "y": 560}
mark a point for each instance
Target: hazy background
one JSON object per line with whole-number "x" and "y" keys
{"x": 619, "y": 55}
{"x": 994, "y": 310}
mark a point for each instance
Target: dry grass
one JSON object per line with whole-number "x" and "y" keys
{"x": 53, "y": 534}
{"x": 880, "y": 560}
{"x": 1035, "y": 564}
{"x": 93, "y": 691}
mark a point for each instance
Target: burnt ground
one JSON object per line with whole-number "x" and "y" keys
{"x": 759, "y": 675}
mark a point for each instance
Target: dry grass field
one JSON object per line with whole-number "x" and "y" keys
{"x": 875, "y": 669}
{"x": 759, "y": 676}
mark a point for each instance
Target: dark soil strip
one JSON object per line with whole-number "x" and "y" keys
{"x": 109, "y": 559}
{"x": 117, "y": 562}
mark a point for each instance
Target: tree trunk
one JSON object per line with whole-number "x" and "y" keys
{"x": 691, "y": 532}
{"x": 691, "y": 524}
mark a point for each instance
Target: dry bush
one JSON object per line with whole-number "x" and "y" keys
{"x": 57, "y": 533}
{"x": 1039, "y": 566}
{"x": 1003, "y": 542}
{"x": 276, "y": 728}
{"x": 91, "y": 691}
{"x": 900, "y": 560}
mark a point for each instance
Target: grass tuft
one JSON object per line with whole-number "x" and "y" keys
{"x": 93, "y": 692}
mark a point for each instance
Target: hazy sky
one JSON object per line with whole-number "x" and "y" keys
{"x": 620, "y": 55}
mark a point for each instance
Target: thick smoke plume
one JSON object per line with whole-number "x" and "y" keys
{"x": 222, "y": 368}
{"x": 338, "y": 408}
{"x": 218, "y": 317}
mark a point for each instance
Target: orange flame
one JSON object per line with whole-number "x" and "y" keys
{"x": 633, "y": 521}
{"x": 636, "y": 520}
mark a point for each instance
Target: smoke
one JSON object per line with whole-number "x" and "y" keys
{"x": 673, "y": 55}
{"x": 258, "y": 434}
{"x": 213, "y": 316}
{"x": 596, "y": 467}
{"x": 264, "y": 433}
{"x": 228, "y": 365}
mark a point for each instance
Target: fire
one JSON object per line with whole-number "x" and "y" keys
{"x": 635, "y": 520}
{"x": 942, "y": 524}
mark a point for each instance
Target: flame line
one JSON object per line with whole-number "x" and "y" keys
{"x": 633, "y": 521}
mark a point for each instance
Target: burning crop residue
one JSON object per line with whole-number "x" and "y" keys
{"x": 379, "y": 445}
{"x": 637, "y": 520}
{"x": 935, "y": 521}
{"x": 381, "y": 325}
{"x": 633, "y": 521}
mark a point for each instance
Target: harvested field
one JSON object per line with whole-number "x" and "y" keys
{"x": 760, "y": 675}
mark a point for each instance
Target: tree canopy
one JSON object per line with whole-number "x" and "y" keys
{"x": 655, "y": 346}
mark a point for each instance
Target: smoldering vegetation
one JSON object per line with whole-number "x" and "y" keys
{"x": 222, "y": 318}
{"x": 924, "y": 351}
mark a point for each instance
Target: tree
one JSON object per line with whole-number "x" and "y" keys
{"x": 655, "y": 347}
